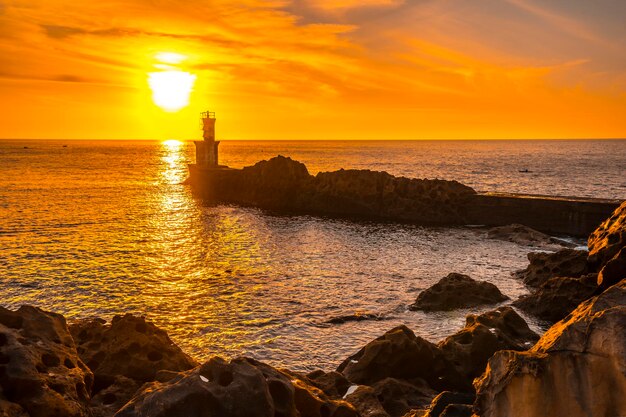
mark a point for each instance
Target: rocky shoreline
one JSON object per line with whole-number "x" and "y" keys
{"x": 494, "y": 366}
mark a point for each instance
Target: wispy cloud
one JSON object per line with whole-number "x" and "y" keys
{"x": 384, "y": 64}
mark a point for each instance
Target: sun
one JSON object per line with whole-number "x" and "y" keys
{"x": 171, "y": 87}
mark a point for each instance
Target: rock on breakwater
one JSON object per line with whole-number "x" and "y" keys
{"x": 283, "y": 184}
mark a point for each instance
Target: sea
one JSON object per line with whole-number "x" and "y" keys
{"x": 99, "y": 228}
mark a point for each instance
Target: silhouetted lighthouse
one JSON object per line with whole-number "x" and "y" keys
{"x": 206, "y": 150}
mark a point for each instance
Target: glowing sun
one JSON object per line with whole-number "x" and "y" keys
{"x": 171, "y": 87}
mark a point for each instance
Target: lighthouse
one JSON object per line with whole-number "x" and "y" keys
{"x": 206, "y": 150}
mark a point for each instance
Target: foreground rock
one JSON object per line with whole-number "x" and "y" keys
{"x": 41, "y": 374}
{"x": 240, "y": 388}
{"x": 557, "y": 297}
{"x": 457, "y": 291}
{"x": 543, "y": 266}
{"x": 483, "y": 335}
{"x": 123, "y": 355}
{"x": 524, "y": 235}
{"x": 285, "y": 185}
{"x": 400, "y": 354}
{"x": 578, "y": 367}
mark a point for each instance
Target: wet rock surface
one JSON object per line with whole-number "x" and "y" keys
{"x": 401, "y": 354}
{"x": 123, "y": 355}
{"x": 545, "y": 265}
{"x": 483, "y": 335}
{"x": 240, "y": 388}
{"x": 524, "y": 235}
{"x": 40, "y": 372}
{"x": 457, "y": 291}
{"x": 283, "y": 184}
{"x": 577, "y": 368}
{"x": 557, "y": 297}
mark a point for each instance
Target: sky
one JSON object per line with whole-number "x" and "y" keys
{"x": 313, "y": 69}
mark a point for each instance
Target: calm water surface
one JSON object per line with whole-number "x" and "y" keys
{"x": 100, "y": 228}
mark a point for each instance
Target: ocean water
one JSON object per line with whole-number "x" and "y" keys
{"x": 93, "y": 228}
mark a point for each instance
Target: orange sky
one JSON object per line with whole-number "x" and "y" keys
{"x": 316, "y": 69}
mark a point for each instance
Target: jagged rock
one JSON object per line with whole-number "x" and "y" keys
{"x": 457, "y": 291}
{"x": 608, "y": 239}
{"x": 557, "y": 297}
{"x": 332, "y": 383}
{"x": 242, "y": 387}
{"x": 483, "y": 335}
{"x": 543, "y": 266}
{"x": 285, "y": 185}
{"x": 524, "y": 235}
{"x": 41, "y": 374}
{"x": 613, "y": 271}
{"x": 123, "y": 355}
{"x": 401, "y": 354}
{"x": 576, "y": 369}
{"x": 441, "y": 402}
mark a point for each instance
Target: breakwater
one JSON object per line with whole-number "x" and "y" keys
{"x": 282, "y": 184}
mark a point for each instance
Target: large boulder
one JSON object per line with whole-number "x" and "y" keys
{"x": 576, "y": 369}
{"x": 483, "y": 335}
{"x": 546, "y": 265}
{"x": 123, "y": 355}
{"x": 401, "y": 354}
{"x": 41, "y": 374}
{"x": 242, "y": 387}
{"x": 557, "y": 297}
{"x": 608, "y": 239}
{"x": 457, "y": 291}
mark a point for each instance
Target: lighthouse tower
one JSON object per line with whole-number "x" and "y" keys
{"x": 206, "y": 150}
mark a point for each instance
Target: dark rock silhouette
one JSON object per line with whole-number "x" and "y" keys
{"x": 242, "y": 387}
{"x": 123, "y": 355}
{"x": 483, "y": 335}
{"x": 557, "y": 297}
{"x": 401, "y": 354}
{"x": 457, "y": 291}
{"x": 544, "y": 265}
{"x": 41, "y": 374}
{"x": 576, "y": 369}
{"x": 283, "y": 184}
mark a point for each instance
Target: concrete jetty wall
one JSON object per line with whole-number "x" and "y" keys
{"x": 558, "y": 215}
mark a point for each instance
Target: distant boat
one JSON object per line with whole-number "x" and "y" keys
{"x": 65, "y": 146}
{"x": 525, "y": 171}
